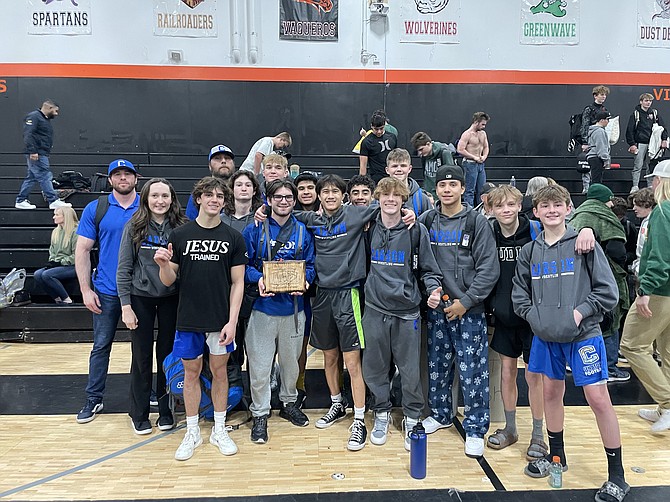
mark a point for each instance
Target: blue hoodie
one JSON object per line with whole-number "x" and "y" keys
{"x": 257, "y": 250}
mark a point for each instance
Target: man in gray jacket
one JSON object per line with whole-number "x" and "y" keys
{"x": 392, "y": 324}
{"x": 598, "y": 155}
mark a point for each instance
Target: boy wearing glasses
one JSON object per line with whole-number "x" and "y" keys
{"x": 277, "y": 321}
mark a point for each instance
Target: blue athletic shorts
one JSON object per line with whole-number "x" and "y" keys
{"x": 587, "y": 359}
{"x": 191, "y": 344}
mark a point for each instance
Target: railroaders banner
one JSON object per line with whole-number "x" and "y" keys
{"x": 185, "y": 18}
{"x": 59, "y": 17}
{"x": 653, "y": 23}
{"x": 429, "y": 21}
{"x": 549, "y": 22}
{"x": 313, "y": 20}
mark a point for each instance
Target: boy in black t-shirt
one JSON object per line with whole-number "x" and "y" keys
{"x": 375, "y": 147}
{"x": 210, "y": 258}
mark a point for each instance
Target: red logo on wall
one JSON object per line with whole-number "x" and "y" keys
{"x": 322, "y": 5}
{"x": 192, "y": 3}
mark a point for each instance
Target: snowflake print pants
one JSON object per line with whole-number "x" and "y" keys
{"x": 463, "y": 342}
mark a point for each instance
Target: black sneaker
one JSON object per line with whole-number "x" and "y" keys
{"x": 293, "y": 414}
{"x": 153, "y": 399}
{"x": 359, "y": 433}
{"x": 142, "y": 427}
{"x": 618, "y": 375}
{"x": 89, "y": 411}
{"x": 336, "y": 413}
{"x": 165, "y": 423}
{"x": 259, "y": 430}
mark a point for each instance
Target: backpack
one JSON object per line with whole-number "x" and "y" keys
{"x": 72, "y": 180}
{"x": 535, "y": 229}
{"x": 100, "y": 212}
{"x": 11, "y": 285}
{"x": 174, "y": 377}
{"x": 575, "y": 124}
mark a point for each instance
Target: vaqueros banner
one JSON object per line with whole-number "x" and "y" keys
{"x": 653, "y": 23}
{"x": 549, "y": 22}
{"x": 430, "y": 21}
{"x": 314, "y": 20}
{"x": 59, "y": 17}
{"x": 185, "y": 18}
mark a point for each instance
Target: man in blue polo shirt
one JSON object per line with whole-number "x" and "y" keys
{"x": 221, "y": 165}
{"x": 102, "y": 299}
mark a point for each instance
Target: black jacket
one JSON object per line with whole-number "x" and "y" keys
{"x": 642, "y": 132}
{"x": 38, "y": 134}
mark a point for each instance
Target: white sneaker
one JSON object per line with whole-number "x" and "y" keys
{"x": 191, "y": 441}
{"x": 650, "y": 415}
{"x": 380, "y": 429}
{"x": 634, "y": 189}
{"x": 223, "y": 441}
{"x": 408, "y": 424}
{"x": 431, "y": 425}
{"x": 474, "y": 447}
{"x": 663, "y": 423}
{"x": 25, "y": 204}
{"x": 59, "y": 203}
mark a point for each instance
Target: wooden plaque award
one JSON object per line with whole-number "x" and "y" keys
{"x": 286, "y": 276}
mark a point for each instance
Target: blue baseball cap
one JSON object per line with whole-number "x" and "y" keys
{"x": 221, "y": 149}
{"x": 121, "y": 164}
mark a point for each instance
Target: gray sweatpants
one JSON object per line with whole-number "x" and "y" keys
{"x": 386, "y": 336}
{"x": 265, "y": 334}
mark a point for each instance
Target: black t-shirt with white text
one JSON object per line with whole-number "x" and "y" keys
{"x": 205, "y": 257}
{"x": 376, "y": 149}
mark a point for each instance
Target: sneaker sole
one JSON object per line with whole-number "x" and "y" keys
{"x": 322, "y": 425}
{"x": 474, "y": 455}
{"x": 259, "y": 441}
{"x": 226, "y": 453}
{"x": 165, "y": 427}
{"x": 378, "y": 442}
{"x": 186, "y": 458}
{"x": 355, "y": 447}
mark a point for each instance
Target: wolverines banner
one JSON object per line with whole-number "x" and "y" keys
{"x": 549, "y": 22}
{"x": 185, "y": 18}
{"x": 430, "y": 21}
{"x": 313, "y": 20}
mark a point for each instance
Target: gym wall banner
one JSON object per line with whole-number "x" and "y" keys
{"x": 653, "y": 23}
{"x": 59, "y": 17}
{"x": 185, "y": 18}
{"x": 549, "y": 22}
{"x": 313, "y": 20}
{"x": 429, "y": 21}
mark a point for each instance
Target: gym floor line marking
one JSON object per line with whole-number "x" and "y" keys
{"x": 88, "y": 464}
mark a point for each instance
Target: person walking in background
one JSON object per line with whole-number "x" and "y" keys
{"x": 38, "y": 138}
{"x": 598, "y": 155}
{"x": 474, "y": 147}
{"x": 144, "y": 298}
{"x": 61, "y": 256}
{"x": 262, "y": 148}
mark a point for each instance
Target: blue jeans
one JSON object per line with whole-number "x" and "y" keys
{"x": 38, "y": 172}
{"x": 612, "y": 350}
{"x": 50, "y": 280}
{"x": 475, "y": 177}
{"x": 463, "y": 342}
{"x": 104, "y": 329}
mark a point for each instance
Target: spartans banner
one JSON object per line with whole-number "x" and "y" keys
{"x": 430, "y": 21}
{"x": 185, "y": 18}
{"x": 549, "y": 22}
{"x": 314, "y": 20}
{"x": 59, "y": 17}
{"x": 653, "y": 23}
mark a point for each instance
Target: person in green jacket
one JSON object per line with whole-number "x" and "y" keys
{"x": 61, "y": 256}
{"x": 433, "y": 155}
{"x": 649, "y": 317}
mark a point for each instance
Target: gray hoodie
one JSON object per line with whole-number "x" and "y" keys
{"x": 339, "y": 244}
{"x": 391, "y": 287}
{"x": 469, "y": 274}
{"x": 599, "y": 144}
{"x": 552, "y": 281}
{"x": 137, "y": 273}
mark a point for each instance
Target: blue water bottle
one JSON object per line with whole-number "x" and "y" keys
{"x": 418, "y": 454}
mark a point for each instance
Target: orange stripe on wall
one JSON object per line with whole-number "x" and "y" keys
{"x": 359, "y": 75}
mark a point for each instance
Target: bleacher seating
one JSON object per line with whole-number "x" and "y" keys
{"x": 24, "y": 235}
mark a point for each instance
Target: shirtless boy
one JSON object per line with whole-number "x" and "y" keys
{"x": 474, "y": 147}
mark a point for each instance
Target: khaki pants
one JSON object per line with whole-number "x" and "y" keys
{"x": 636, "y": 345}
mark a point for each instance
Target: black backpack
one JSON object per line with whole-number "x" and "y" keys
{"x": 72, "y": 180}
{"x": 575, "y": 123}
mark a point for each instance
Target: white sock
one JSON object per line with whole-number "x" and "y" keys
{"x": 337, "y": 398}
{"x": 219, "y": 419}
{"x": 359, "y": 413}
{"x": 192, "y": 422}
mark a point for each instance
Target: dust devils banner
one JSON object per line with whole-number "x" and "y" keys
{"x": 430, "y": 21}
{"x": 653, "y": 23}
{"x": 314, "y": 20}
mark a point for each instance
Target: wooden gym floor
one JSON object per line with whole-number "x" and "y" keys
{"x": 51, "y": 457}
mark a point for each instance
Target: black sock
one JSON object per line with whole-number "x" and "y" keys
{"x": 615, "y": 466}
{"x": 556, "y": 446}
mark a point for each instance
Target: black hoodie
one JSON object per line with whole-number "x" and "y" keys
{"x": 500, "y": 301}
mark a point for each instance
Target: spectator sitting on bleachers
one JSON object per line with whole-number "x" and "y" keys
{"x": 221, "y": 165}
{"x": 61, "y": 256}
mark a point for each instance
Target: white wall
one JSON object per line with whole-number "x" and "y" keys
{"x": 122, "y": 34}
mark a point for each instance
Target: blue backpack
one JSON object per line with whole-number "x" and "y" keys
{"x": 174, "y": 376}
